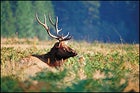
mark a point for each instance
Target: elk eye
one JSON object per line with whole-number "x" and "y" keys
{"x": 64, "y": 49}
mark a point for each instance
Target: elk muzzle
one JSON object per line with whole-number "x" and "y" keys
{"x": 63, "y": 51}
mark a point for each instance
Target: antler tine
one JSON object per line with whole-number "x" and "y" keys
{"x": 55, "y": 25}
{"x": 66, "y": 37}
{"x": 58, "y": 30}
{"x": 45, "y": 20}
{"x": 39, "y": 20}
{"x": 63, "y": 38}
{"x": 51, "y": 20}
{"x": 58, "y": 37}
{"x": 46, "y": 27}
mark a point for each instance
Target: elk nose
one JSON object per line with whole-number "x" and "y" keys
{"x": 74, "y": 52}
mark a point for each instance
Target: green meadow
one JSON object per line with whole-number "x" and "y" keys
{"x": 98, "y": 67}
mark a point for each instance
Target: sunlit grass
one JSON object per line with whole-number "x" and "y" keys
{"x": 98, "y": 67}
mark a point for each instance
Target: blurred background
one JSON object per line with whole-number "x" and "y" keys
{"x": 103, "y": 21}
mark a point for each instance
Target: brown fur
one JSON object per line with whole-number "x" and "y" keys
{"x": 60, "y": 50}
{"x": 57, "y": 55}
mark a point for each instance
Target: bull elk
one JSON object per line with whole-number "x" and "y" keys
{"x": 60, "y": 51}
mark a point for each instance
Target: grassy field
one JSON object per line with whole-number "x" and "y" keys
{"x": 98, "y": 67}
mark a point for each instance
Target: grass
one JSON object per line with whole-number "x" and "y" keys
{"x": 99, "y": 67}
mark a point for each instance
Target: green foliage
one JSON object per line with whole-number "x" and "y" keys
{"x": 7, "y": 20}
{"x": 88, "y": 85}
{"x": 105, "y": 68}
{"x": 48, "y": 76}
{"x": 97, "y": 20}
{"x": 18, "y": 18}
{"x": 12, "y": 54}
{"x": 41, "y": 8}
{"x": 92, "y": 20}
{"x": 10, "y": 85}
{"x": 24, "y": 28}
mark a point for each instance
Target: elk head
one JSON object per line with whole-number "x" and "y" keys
{"x": 60, "y": 50}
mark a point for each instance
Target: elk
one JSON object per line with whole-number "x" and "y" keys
{"x": 60, "y": 51}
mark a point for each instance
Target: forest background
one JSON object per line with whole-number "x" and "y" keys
{"x": 104, "y": 21}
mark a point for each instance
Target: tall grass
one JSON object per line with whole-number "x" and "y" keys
{"x": 99, "y": 67}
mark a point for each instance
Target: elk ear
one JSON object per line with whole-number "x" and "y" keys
{"x": 58, "y": 45}
{"x": 61, "y": 45}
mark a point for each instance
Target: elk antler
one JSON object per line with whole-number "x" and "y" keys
{"x": 57, "y": 36}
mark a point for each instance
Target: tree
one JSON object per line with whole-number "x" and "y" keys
{"x": 80, "y": 18}
{"x": 7, "y": 20}
{"x": 24, "y": 19}
{"x": 41, "y": 8}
